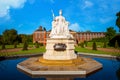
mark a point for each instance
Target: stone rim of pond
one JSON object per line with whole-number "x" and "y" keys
{"x": 30, "y": 67}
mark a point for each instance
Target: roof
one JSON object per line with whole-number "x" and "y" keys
{"x": 41, "y": 29}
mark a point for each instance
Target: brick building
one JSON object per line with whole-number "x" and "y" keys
{"x": 87, "y": 36}
{"x": 41, "y": 34}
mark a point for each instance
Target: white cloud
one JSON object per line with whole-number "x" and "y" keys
{"x": 84, "y": 27}
{"x": 20, "y": 25}
{"x": 6, "y": 5}
{"x": 76, "y": 27}
{"x": 87, "y": 4}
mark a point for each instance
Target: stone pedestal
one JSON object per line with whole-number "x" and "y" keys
{"x": 80, "y": 67}
{"x": 66, "y": 54}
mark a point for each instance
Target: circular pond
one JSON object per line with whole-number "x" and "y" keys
{"x": 110, "y": 71}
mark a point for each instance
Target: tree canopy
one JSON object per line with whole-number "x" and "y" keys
{"x": 9, "y": 36}
{"x": 23, "y": 37}
{"x": 0, "y": 39}
{"x": 88, "y": 31}
{"x": 110, "y": 33}
{"x": 115, "y": 39}
{"x": 118, "y": 20}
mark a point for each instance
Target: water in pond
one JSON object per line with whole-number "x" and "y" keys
{"x": 110, "y": 71}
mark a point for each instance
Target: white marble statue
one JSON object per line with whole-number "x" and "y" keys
{"x": 60, "y": 27}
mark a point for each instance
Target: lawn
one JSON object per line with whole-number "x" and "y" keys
{"x": 30, "y": 51}
{"x": 42, "y": 50}
{"x": 18, "y": 46}
{"x": 99, "y": 44}
{"x": 85, "y": 50}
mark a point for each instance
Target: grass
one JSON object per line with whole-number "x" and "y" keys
{"x": 79, "y": 49}
{"x": 30, "y": 51}
{"x": 42, "y": 50}
{"x": 18, "y": 46}
{"x": 99, "y": 44}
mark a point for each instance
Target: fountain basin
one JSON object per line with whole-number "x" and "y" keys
{"x": 37, "y": 67}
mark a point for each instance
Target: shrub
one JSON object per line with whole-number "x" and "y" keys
{"x": 104, "y": 45}
{"x": 102, "y": 39}
{"x": 81, "y": 44}
{"x": 25, "y": 46}
{"x": 85, "y": 43}
{"x": 116, "y": 44}
{"x": 94, "y": 46}
{"x": 3, "y": 46}
{"x": 113, "y": 41}
{"x": 36, "y": 44}
{"x": 15, "y": 45}
{"x": 41, "y": 44}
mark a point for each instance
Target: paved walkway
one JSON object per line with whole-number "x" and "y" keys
{"x": 106, "y": 49}
{"x": 99, "y": 55}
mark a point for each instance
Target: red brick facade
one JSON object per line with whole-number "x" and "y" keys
{"x": 41, "y": 36}
{"x": 87, "y": 36}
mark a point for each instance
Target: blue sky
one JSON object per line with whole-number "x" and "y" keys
{"x": 27, "y": 15}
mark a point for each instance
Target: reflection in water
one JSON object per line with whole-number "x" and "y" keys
{"x": 118, "y": 71}
{"x": 3, "y": 65}
{"x": 118, "y": 74}
{"x": 59, "y": 78}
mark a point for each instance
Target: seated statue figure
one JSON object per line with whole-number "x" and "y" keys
{"x": 60, "y": 27}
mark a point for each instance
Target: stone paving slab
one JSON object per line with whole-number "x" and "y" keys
{"x": 30, "y": 67}
{"x": 98, "y": 55}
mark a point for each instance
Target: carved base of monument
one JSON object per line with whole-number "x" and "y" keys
{"x": 40, "y": 67}
{"x": 71, "y": 62}
{"x": 59, "y": 49}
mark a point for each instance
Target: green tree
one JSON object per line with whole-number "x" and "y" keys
{"x": 94, "y": 46}
{"x": 3, "y": 46}
{"x": 114, "y": 39}
{"x": 88, "y": 31}
{"x": 85, "y": 43}
{"x": 116, "y": 44}
{"x": 104, "y": 45}
{"x": 25, "y": 46}
{"x": 104, "y": 42}
{"x": 2, "y": 42}
{"x": 23, "y": 37}
{"x": 15, "y": 44}
{"x": 41, "y": 44}
{"x": 1, "y": 39}
{"x": 81, "y": 44}
{"x": 29, "y": 38}
{"x": 10, "y": 36}
{"x": 118, "y": 20}
{"x": 101, "y": 39}
{"x": 110, "y": 33}
{"x": 36, "y": 44}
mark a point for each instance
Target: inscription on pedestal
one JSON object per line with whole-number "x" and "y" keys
{"x": 60, "y": 47}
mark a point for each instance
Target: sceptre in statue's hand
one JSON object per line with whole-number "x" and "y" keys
{"x": 60, "y": 12}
